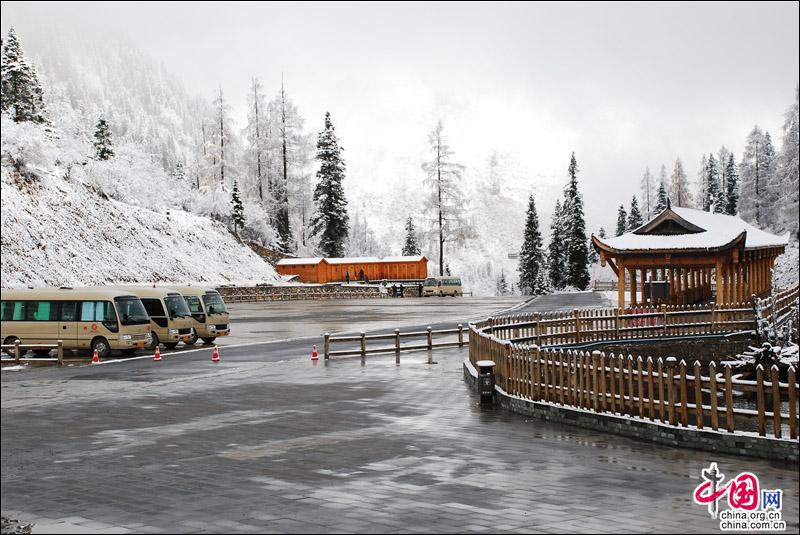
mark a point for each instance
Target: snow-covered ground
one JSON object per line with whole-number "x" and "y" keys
{"x": 59, "y": 231}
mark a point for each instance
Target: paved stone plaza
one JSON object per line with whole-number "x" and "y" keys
{"x": 267, "y": 442}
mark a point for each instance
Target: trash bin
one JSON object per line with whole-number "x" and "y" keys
{"x": 486, "y": 380}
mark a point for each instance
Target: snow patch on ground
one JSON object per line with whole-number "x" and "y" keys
{"x": 787, "y": 270}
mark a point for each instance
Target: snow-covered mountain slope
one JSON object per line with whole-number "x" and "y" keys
{"x": 60, "y": 230}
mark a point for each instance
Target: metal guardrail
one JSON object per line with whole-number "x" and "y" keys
{"x": 397, "y": 338}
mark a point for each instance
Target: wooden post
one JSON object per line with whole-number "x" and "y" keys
{"x": 728, "y": 399}
{"x": 671, "y": 363}
{"x": 640, "y": 385}
{"x": 762, "y": 424}
{"x": 698, "y": 396}
{"x": 430, "y": 338}
{"x": 546, "y": 396}
{"x": 776, "y": 400}
{"x": 397, "y": 346}
{"x": 561, "y": 376}
{"x": 684, "y": 396}
{"x": 537, "y": 328}
{"x": 712, "y": 387}
{"x": 616, "y": 323}
{"x": 602, "y": 377}
{"x": 17, "y": 352}
{"x": 792, "y": 390}
{"x": 633, "y": 287}
{"x": 622, "y": 384}
{"x": 612, "y": 362}
{"x": 630, "y": 384}
{"x": 661, "y": 399}
{"x": 577, "y": 314}
{"x": 537, "y": 385}
{"x": 326, "y": 346}
{"x": 664, "y": 318}
{"x": 460, "y": 335}
{"x": 60, "y": 352}
{"x": 718, "y": 276}
{"x": 620, "y": 285}
{"x": 595, "y": 381}
{"x": 650, "y": 394}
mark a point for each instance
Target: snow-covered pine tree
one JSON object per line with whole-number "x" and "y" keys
{"x": 702, "y": 187}
{"x": 445, "y": 201}
{"x": 622, "y": 221}
{"x": 577, "y": 251}
{"x": 257, "y": 152}
{"x": 21, "y": 94}
{"x": 103, "y": 145}
{"x": 722, "y": 159}
{"x": 502, "y": 284}
{"x": 557, "y": 250}
{"x": 237, "y": 212}
{"x": 731, "y": 186}
{"x": 330, "y": 221}
{"x": 754, "y": 173}
{"x": 647, "y": 192}
{"x": 411, "y": 246}
{"x": 634, "y": 216}
{"x": 789, "y": 169}
{"x": 679, "y": 191}
{"x": 662, "y": 200}
{"x": 179, "y": 174}
{"x": 531, "y": 256}
{"x": 716, "y": 195}
{"x": 663, "y": 177}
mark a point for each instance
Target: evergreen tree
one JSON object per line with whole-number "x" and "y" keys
{"x": 577, "y": 251}
{"x": 754, "y": 172}
{"x": 531, "y": 257}
{"x": 622, "y": 221}
{"x": 502, "y": 284}
{"x": 556, "y": 257}
{"x": 634, "y": 216}
{"x": 103, "y": 144}
{"x": 647, "y": 192}
{"x": 731, "y": 187}
{"x": 238, "y": 209}
{"x": 679, "y": 191}
{"x": 330, "y": 220}
{"x": 257, "y": 133}
{"x": 789, "y": 170}
{"x": 21, "y": 95}
{"x": 662, "y": 199}
{"x": 179, "y": 174}
{"x": 712, "y": 193}
{"x": 411, "y": 247}
{"x": 445, "y": 202}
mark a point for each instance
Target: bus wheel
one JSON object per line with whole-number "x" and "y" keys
{"x": 192, "y": 340}
{"x": 10, "y": 342}
{"x": 154, "y": 341}
{"x": 171, "y": 345}
{"x": 209, "y": 340}
{"x": 101, "y": 346}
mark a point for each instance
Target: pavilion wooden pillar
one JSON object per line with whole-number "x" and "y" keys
{"x": 642, "y": 283}
{"x": 633, "y": 287}
{"x": 720, "y": 285}
{"x": 620, "y": 283}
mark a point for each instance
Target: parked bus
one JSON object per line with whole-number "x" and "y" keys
{"x": 170, "y": 318}
{"x": 211, "y": 318}
{"x": 442, "y": 286}
{"x": 83, "y": 318}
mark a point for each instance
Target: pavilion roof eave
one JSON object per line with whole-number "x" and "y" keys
{"x": 737, "y": 241}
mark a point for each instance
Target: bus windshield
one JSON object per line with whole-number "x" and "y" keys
{"x": 429, "y": 282}
{"x": 214, "y": 303}
{"x": 176, "y": 306}
{"x": 194, "y": 304}
{"x": 131, "y": 311}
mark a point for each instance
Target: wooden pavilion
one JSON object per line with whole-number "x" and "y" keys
{"x": 684, "y": 256}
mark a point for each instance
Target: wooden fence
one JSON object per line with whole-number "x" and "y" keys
{"x": 606, "y": 324}
{"x": 662, "y": 390}
{"x": 397, "y": 337}
{"x": 20, "y": 349}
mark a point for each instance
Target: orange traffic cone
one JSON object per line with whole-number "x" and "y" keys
{"x": 314, "y": 355}
{"x": 157, "y": 356}
{"x": 215, "y": 356}
{"x": 95, "y": 358}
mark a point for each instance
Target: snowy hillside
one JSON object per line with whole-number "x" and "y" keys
{"x": 59, "y": 229}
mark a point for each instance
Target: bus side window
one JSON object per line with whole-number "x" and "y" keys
{"x": 87, "y": 311}
{"x": 69, "y": 311}
{"x": 40, "y": 311}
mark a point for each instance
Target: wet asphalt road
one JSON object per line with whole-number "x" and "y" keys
{"x": 267, "y": 441}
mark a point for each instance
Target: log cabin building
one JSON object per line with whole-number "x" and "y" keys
{"x": 324, "y": 270}
{"x": 685, "y": 256}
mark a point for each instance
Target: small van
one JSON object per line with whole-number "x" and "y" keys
{"x": 442, "y": 286}
{"x": 170, "y": 318}
{"x": 101, "y": 319}
{"x": 210, "y": 317}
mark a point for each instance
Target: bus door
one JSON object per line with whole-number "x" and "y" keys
{"x": 68, "y": 323}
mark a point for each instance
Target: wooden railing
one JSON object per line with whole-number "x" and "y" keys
{"x": 397, "y": 337}
{"x": 664, "y": 390}
{"x": 20, "y": 349}
{"x": 602, "y": 324}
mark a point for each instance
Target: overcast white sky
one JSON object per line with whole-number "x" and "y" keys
{"x": 623, "y": 85}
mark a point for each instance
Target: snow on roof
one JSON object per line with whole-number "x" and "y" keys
{"x": 299, "y": 261}
{"x": 354, "y": 260}
{"x": 417, "y": 258}
{"x": 717, "y": 230}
